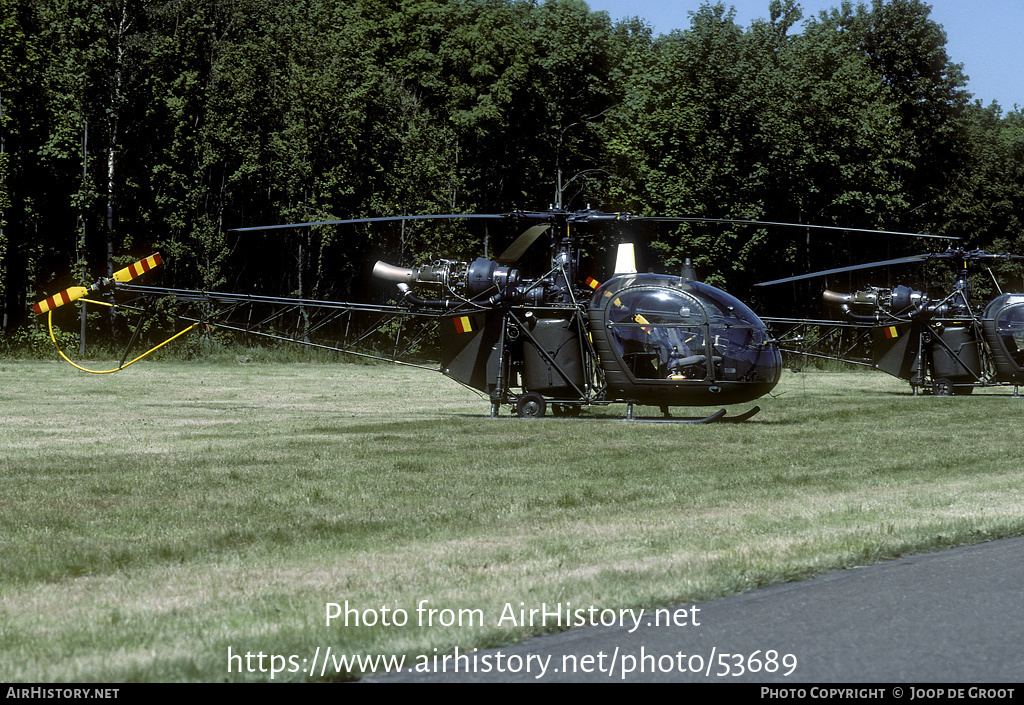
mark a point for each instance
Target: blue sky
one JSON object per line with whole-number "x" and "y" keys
{"x": 986, "y": 36}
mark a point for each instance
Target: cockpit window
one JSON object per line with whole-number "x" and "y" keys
{"x": 656, "y": 307}
{"x": 724, "y": 309}
{"x": 659, "y": 334}
{"x": 685, "y": 332}
{"x": 1010, "y": 327}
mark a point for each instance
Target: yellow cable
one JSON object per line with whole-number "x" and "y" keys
{"x": 49, "y": 323}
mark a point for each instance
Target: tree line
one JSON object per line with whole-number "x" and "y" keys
{"x": 130, "y": 126}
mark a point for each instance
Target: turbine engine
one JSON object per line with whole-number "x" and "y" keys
{"x": 482, "y": 280}
{"x": 871, "y": 302}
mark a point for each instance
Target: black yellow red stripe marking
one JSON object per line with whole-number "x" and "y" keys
{"x": 137, "y": 269}
{"x": 64, "y": 297}
{"x": 76, "y": 292}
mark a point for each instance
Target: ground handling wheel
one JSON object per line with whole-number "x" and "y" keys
{"x": 531, "y": 406}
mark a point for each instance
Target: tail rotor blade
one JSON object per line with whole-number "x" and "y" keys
{"x": 76, "y": 292}
{"x": 137, "y": 269}
{"x": 64, "y": 297}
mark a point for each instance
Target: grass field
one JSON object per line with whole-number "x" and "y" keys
{"x": 153, "y": 519}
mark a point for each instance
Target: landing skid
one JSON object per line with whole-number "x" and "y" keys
{"x": 717, "y": 417}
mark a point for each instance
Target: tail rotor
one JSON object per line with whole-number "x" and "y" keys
{"x": 74, "y": 293}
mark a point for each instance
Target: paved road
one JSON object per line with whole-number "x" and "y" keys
{"x": 953, "y": 616}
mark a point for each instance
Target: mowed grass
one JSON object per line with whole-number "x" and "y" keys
{"x": 152, "y": 519}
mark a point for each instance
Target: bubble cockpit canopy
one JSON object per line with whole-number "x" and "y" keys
{"x": 663, "y": 329}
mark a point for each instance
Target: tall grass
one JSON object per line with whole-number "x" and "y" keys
{"x": 151, "y": 519}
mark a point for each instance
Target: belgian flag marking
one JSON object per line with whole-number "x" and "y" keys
{"x": 463, "y": 325}
{"x": 592, "y": 283}
{"x": 891, "y": 332}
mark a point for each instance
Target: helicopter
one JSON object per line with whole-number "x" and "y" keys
{"x": 648, "y": 339}
{"x": 557, "y": 341}
{"x": 554, "y": 339}
{"x": 944, "y": 345}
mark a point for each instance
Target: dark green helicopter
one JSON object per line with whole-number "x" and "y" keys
{"x": 563, "y": 341}
{"x": 943, "y": 344}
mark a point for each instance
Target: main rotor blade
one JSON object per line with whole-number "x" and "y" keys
{"x": 673, "y": 219}
{"x": 981, "y": 255}
{"x": 839, "y": 270}
{"x": 521, "y": 244}
{"x": 385, "y": 219}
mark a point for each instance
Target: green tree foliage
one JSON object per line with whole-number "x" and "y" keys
{"x": 11, "y": 39}
{"x": 133, "y": 125}
{"x": 523, "y": 86}
{"x": 907, "y": 50}
{"x": 987, "y": 207}
{"x": 842, "y": 123}
{"x": 21, "y": 182}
